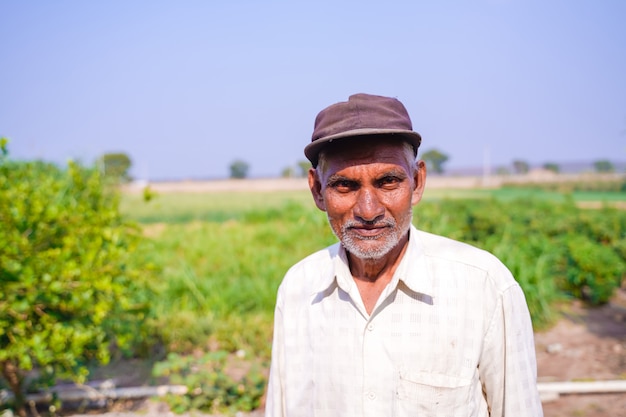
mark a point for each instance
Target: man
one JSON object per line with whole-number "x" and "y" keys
{"x": 393, "y": 321}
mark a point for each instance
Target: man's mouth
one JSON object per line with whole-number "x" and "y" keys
{"x": 368, "y": 232}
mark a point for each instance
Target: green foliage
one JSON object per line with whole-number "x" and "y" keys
{"x": 220, "y": 278}
{"x": 520, "y": 167}
{"x": 551, "y": 166}
{"x": 593, "y": 271}
{"x": 611, "y": 186}
{"x": 434, "y": 160}
{"x": 116, "y": 166}
{"x": 3, "y": 146}
{"x": 288, "y": 172}
{"x": 222, "y": 267}
{"x": 220, "y": 274}
{"x": 304, "y": 167}
{"x": 68, "y": 287}
{"x": 215, "y": 207}
{"x": 239, "y": 169}
{"x": 604, "y": 165}
{"x": 212, "y": 382}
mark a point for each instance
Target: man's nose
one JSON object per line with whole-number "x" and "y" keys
{"x": 368, "y": 207}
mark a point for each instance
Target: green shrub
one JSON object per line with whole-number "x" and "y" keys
{"x": 216, "y": 382}
{"x": 68, "y": 287}
{"x": 594, "y": 271}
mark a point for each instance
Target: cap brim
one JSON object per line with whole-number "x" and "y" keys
{"x": 312, "y": 150}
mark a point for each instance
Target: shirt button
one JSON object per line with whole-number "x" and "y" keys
{"x": 371, "y": 396}
{"x": 370, "y": 327}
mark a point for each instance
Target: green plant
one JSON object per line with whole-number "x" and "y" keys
{"x": 593, "y": 271}
{"x": 216, "y": 382}
{"x": 68, "y": 285}
{"x": 116, "y": 166}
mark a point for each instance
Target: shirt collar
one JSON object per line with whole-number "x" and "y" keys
{"x": 413, "y": 270}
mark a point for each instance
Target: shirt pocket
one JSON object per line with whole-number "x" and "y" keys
{"x": 432, "y": 395}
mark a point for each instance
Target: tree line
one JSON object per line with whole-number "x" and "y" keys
{"x": 117, "y": 166}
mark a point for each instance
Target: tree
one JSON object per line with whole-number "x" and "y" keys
{"x": 603, "y": 165}
{"x": 239, "y": 169}
{"x": 116, "y": 166}
{"x": 551, "y": 166}
{"x": 288, "y": 172}
{"x": 502, "y": 171}
{"x": 434, "y": 160}
{"x": 521, "y": 167}
{"x": 67, "y": 280}
{"x": 304, "y": 167}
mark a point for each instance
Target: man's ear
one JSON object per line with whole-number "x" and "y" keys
{"x": 419, "y": 181}
{"x": 315, "y": 185}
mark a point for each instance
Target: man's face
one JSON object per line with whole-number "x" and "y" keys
{"x": 368, "y": 190}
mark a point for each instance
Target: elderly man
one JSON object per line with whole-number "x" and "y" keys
{"x": 393, "y": 321}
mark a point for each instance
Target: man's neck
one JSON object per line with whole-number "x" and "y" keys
{"x": 371, "y": 276}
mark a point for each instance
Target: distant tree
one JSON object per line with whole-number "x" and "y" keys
{"x": 288, "y": 172}
{"x": 434, "y": 160}
{"x": 551, "y": 166}
{"x": 603, "y": 165}
{"x": 239, "y": 169}
{"x": 116, "y": 166}
{"x": 520, "y": 167}
{"x": 502, "y": 171}
{"x": 304, "y": 167}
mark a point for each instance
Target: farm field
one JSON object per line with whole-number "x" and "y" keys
{"x": 207, "y": 259}
{"x": 223, "y": 254}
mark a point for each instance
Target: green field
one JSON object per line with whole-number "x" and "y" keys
{"x": 218, "y": 259}
{"x": 220, "y": 206}
{"x": 221, "y": 256}
{"x": 189, "y": 280}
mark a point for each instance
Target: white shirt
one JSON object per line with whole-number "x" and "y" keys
{"x": 449, "y": 336}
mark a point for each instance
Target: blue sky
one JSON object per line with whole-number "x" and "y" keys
{"x": 186, "y": 87}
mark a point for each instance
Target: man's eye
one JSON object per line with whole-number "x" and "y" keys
{"x": 389, "y": 181}
{"x": 344, "y": 185}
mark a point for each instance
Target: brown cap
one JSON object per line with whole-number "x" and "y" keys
{"x": 362, "y": 115}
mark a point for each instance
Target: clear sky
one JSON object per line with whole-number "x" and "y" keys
{"x": 186, "y": 87}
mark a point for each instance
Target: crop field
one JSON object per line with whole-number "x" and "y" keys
{"x": 186, "y": 281}
{"x": 217, "y": 258}
{"x": 221, "y": 256}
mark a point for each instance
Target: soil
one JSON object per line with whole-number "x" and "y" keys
{"x": 587, "y": 344}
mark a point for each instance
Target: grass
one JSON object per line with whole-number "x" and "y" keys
{"x": 222, "y": 255}
{"x": 212, "y": 207}
{"x": 220, "y": 277}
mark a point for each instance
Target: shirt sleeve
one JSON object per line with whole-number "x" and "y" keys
{"x": 274, "y": 404}
{"x": 508, "y": 366}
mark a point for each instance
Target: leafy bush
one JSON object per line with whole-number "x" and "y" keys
{"x": 68, "y": 285}
{"x": 593, "y": 271}
{"x": 211, "y": 386}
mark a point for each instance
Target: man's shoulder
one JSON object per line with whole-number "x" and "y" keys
{"x": 434, "y": 245}
{"x": 316, "y": 259}
{"x": 310, "y": 270}
{"x": 444, "y": 249}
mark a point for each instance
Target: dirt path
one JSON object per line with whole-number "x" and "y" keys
{"x": 586, "y": 345}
